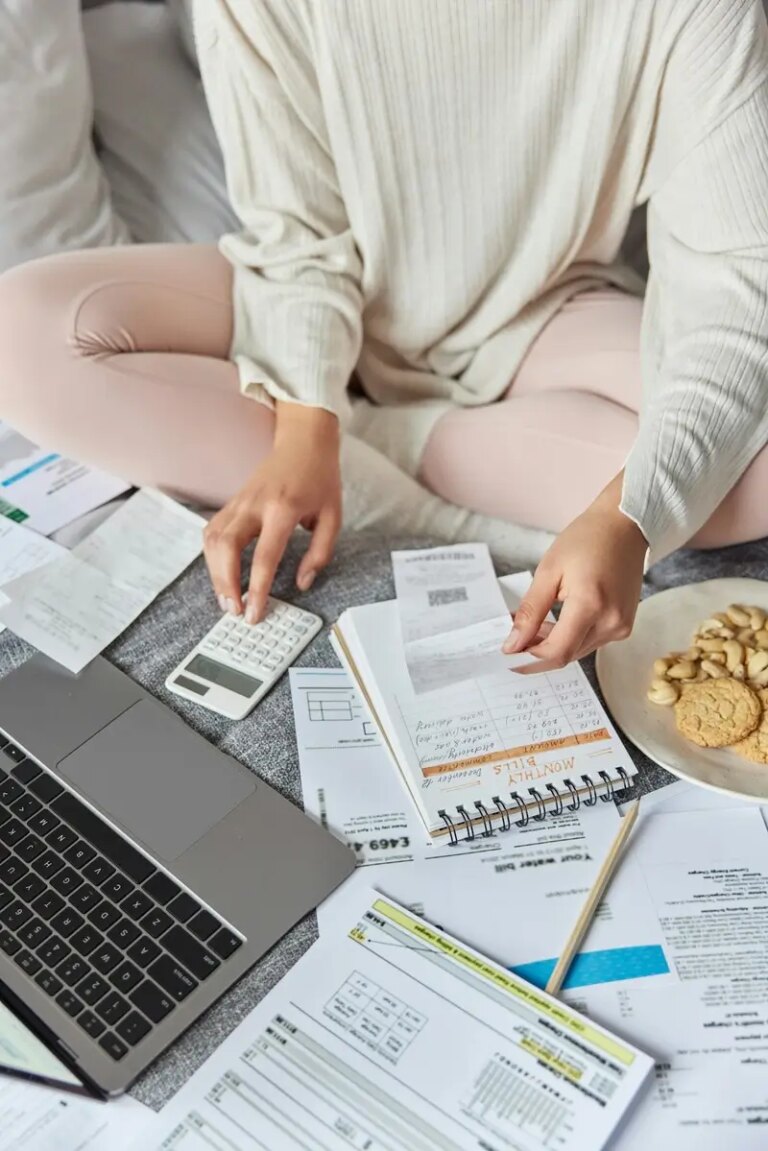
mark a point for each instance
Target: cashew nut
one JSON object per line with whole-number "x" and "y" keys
{"x": 760, "y": 680}
{"x": 761, "y": 639}
{"x": 717, "y": 657}
{"x": 757, "y": 618}
{"x": 685, "y": 669}
{"x": 663, "y": 693}
{"x": 693, "y": 654}
{"x": 757, "y": 663}
{"x": 709, "y": 626}
{"x": 746, "y": 635}
{"x": 707, "y": 645}
{"x": 734, "y": 655}
{"x": 713, "y": 670}
{"x": 661, "y": 667}
{"x": 739, "y": 672}
{"x": 738, "y": 615}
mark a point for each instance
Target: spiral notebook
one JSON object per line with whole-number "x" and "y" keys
{"x": 490, "y": 753}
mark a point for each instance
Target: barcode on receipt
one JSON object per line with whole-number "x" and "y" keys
{"x": 439, "y": 597}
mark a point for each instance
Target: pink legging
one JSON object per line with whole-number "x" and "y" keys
{"x": 119, "y": 357}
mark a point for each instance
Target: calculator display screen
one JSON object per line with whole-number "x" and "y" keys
{"x": 227, "y": 677}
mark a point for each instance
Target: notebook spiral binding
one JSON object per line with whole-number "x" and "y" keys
{"x": 463, "y": 825}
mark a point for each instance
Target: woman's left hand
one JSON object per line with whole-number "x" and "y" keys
{"x": 595, "y": 569}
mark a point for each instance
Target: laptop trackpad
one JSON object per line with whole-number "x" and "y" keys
{"x": 157, "y": 779}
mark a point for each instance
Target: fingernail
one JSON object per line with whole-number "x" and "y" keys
{"x": 509, "y": 646}
{"x": 232, "y": 607}
{"x": 222, "y": 602}
{"x": 305, "y": 581}
{"x": 251, "y": 615}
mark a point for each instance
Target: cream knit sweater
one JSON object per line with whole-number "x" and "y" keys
{"x": 421, "y": 183}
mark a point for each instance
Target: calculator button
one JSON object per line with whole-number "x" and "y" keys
{"x": 247, "y": 646}
{"x": 268, "y": 644}
{"x": 271, "y": 664}
{"x": 238, "y": 656}
{"x": 284, "y": 648}
{"x": 299, "y": 627}
{"x": 227, "y": 647}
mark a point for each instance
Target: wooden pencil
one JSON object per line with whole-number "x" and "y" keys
{"x": 587, "y": 913}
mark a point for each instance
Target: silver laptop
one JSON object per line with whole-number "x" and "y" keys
{"x": 142, "y": 872}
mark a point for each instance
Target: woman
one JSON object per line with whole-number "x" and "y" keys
{"x": 433, "y": 195}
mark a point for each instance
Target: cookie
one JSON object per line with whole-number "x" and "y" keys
{"x": 755, "y": 746}
{"x": 718, "y": 712}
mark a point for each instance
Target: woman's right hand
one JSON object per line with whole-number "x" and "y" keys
{"x": 298, "y": 483}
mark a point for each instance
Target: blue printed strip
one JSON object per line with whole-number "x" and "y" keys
{"x": 591, "y": 967}
{"x": 28, "y": 471}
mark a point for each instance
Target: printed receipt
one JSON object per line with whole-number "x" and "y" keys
{"x": 21, "y": 551}
{"x": 453, "y": 615}
{"x": 73, "y": 607}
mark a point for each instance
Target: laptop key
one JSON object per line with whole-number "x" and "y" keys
{"x": 28, "y": 962}
{"x": 113, "y": 1046}
{"x": 25, "y": 771}
{"x": 29, "y": 887}
{"x": 112, "y": 1008}
{"x": 9, "y": 944}
{"x": 9, "y": 789}
{"x": 45, "y": 787}
{"x": 48, "y": 864}
{"x": 26, "y": 806}
{"x": 12, "y": 870}
{"x": 72, "y": 970}
{"x": 103, "y": 838}
{"x": 133, "y": 1028}
{"x": 5, "y": 814}
{"x": 104, "y": 916}
{"x": 14, "y": 753}
{"x": 61, "y": 838}
{"x": 125, "y": 977}
{"x": 15, "y": 915}
{"x": 79, "y": 854}
{"x": 86, "y": 939}
{"x": 136, "y": 905}
{"x": 151, "y": 1001}
{"x": 34, "y": 933}
{"x": 53, "y": 952}
{"x": 67, "y": 921}
{"x": 144, "y": 951}
{"x": 48, "y": 904}
{"x": 183, "y": 907}
{"x": 31, "y": 848}
{"x": 66, "y": 881}
{"x": 92, "y": 989}
{"x": 69, "y": 1002}
{"x": 6, "y": 896}
{"x": 12, "y": 831}
{"x": 172, "y": 978}
{"x": 156, "y": 923}
{"x": 85, "y": 897}
{"x": 203, "y": 925}
{"x": 117, "y": 888}
{"x": 189, "y": 952}
{"x": 161, "y": 888}
{"x": 98, "y": 871}
{"x": 123, "y": 933}
{"x": 49, "y": 983}
{"x": 43, "y": 823}
{"x": 105, "y": 957}
{"x": 91, "y": 1024}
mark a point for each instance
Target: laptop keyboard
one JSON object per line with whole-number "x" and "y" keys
{"x": 111, "y": 938}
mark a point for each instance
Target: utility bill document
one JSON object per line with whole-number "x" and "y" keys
{"x": 46, "y": 491}
{"x": 22, "y": 551}
{"x": 453, "y": 615}
{"x": 389, "y": 1035}
{"x": 35, "y": 1118}
{"x": 72, "y": 608}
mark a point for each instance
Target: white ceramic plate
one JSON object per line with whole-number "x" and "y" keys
{"x": 666, "y": 622}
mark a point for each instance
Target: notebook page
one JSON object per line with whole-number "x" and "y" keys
{"x": 487, "y": 737}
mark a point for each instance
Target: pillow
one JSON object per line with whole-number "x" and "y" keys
{"x": 53, "y": 195}
{"x": 156, "y": 141}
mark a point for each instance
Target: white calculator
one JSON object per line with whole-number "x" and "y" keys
{"x": 236, "y": 663}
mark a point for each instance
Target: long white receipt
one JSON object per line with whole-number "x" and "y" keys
{"x": 72, "y": 608}
{"x": 389, "y": 1034}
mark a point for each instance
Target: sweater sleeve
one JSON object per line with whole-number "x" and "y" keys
{"x": 297, "y": 270}
{"x": 705, "y": 331}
